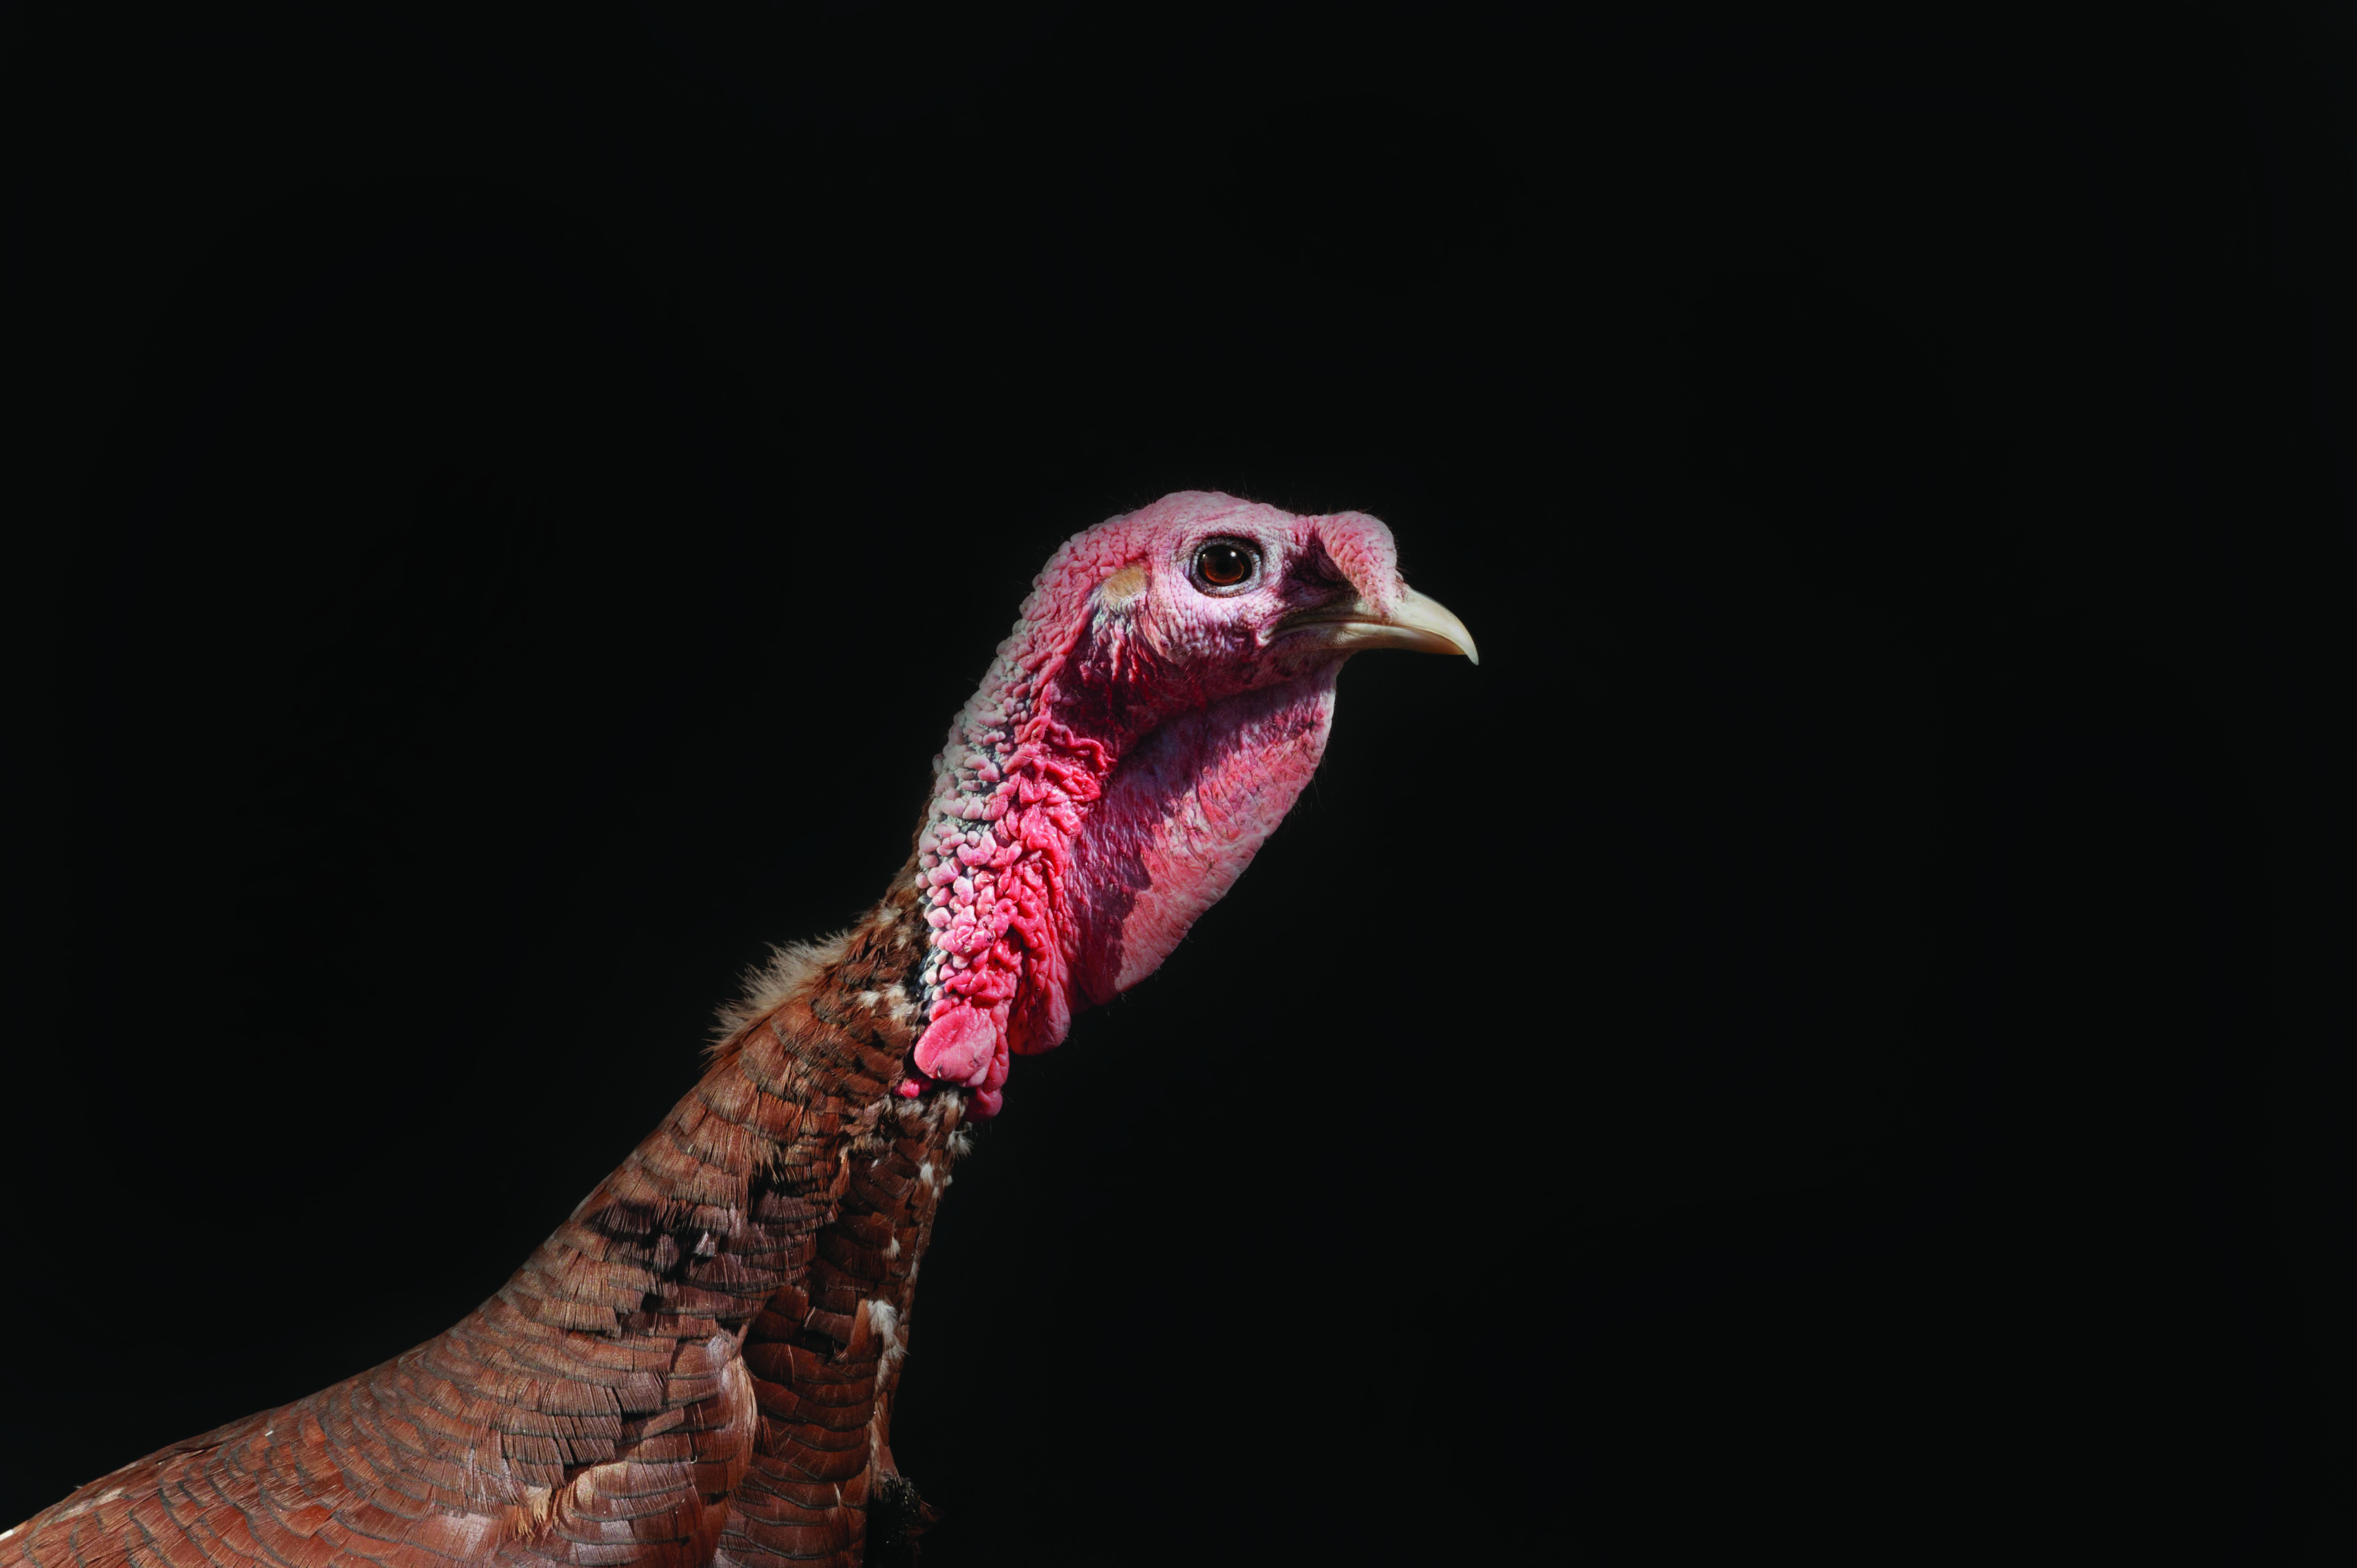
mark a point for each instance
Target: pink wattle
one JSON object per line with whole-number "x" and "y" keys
{"x": 959, "y": 1045}
{"x": 1188, "y": 809}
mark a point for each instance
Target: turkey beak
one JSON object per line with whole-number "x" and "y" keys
{"x": 1415, "y": 622}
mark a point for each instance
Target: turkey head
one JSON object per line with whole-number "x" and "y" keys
{"x": 1154, "y": 712}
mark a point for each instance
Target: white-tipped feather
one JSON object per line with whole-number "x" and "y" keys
{"x": 885, "y": 1318}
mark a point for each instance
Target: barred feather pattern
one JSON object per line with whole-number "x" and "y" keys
{"x": 697, "y": 1367}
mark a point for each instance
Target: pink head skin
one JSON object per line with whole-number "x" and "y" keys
{"x": 1152, "y": 717}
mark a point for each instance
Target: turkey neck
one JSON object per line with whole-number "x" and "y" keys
{"x": 770, "y": 1206}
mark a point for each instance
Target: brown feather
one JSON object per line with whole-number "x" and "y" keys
{"x": 697, "y": 1366}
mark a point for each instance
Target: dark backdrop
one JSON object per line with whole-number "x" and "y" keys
{"x": 1818, "y": 1039}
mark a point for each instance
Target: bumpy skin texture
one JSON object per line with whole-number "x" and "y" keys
{"x": 698, "y": 1365}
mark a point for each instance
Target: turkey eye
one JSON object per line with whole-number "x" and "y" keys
{"x": 1224, "y": 563}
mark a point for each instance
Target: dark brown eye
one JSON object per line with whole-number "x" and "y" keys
{"x": 1224, "y": 563}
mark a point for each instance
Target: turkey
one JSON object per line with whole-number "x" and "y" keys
{"x": 699, "y": 1364}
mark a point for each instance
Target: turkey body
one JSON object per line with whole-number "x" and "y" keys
{"x": 697, "y": 1366}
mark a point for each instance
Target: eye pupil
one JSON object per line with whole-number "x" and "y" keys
{"x": 1222, "y": 565}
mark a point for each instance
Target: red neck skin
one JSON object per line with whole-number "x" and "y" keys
{"x": 1077, "y": 832}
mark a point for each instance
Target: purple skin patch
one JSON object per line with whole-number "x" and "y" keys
{"x": 1152, "y": 715}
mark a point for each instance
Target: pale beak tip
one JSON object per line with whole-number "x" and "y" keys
{"x": 1429, "y": 615}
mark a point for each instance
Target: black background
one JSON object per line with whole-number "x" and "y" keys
{"x": 1819, "y": 1040}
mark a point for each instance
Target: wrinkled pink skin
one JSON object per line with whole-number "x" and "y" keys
{"x": 1133, "y": 743}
